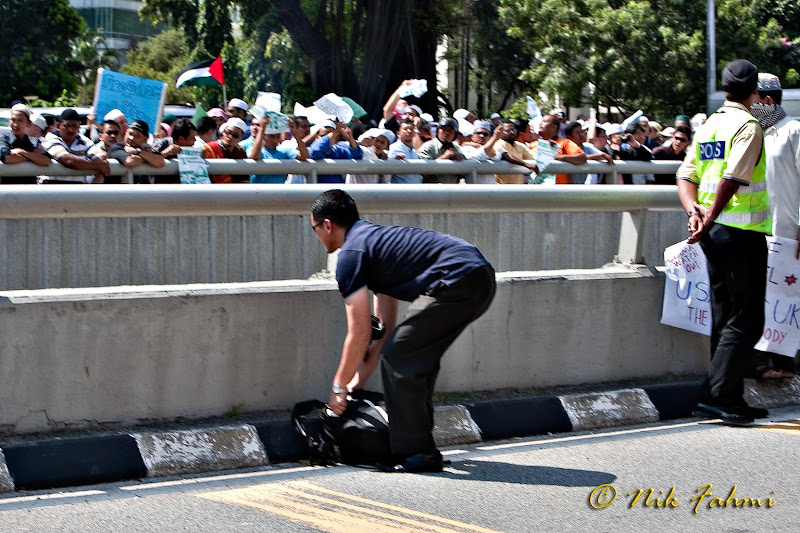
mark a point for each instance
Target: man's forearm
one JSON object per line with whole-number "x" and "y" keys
{"x": 725, "y": 191}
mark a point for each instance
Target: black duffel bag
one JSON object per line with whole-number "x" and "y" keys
{"x": 359, "y": 437}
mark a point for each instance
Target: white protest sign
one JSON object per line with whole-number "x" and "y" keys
{"x": 545, "y": 153}
{"x": 687, "y": 296}
{"x": 532, "y": 108}
{"x": 332, "y": 104}
{"x": 191, "y": 165}
{"x": 269, "y": 101}
{"x": 278, "y": 123}
{"x": 314, "y": 115}
{"x": 782, "y": 302}
{"x": 416, "y": 87}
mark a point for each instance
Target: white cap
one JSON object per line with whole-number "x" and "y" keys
{"x": 39, "y": 121}
{"x": 465, "y": 127}
{"x": 236, "y": 102}
{"x": 114, "y": 114}
{"x": 22, "y": 107}
{"x": 460, "y": 113}
{"x": 234, "y": 123}
{"x": 495, "y": 115}
{"x": 613, "y": 129}
{"x": 377, "y": 132}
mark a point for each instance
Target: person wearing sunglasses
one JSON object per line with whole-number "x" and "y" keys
{"x": 675, "y": 151}
{"x": 227, "y": 147}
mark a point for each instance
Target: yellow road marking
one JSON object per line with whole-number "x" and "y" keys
{"x": 790, "y": 426}
{"x": 304, "y": 502}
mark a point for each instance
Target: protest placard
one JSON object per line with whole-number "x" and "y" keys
{"x": 332, "y": 104}
{"x": 545, "y": 154}
{"x": 782, "y": 302}
{"x": 687, "y": 297}
{"x": 269, "y": 101}
{"x": 192, "y": 167}
{"x": 137, "y": 98}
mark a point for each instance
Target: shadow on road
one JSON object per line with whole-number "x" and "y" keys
{"x": 524, "y": 474}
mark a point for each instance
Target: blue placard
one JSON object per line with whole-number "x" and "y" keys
{"x": 712, "y": 150}
{"x": 137, "y": 98}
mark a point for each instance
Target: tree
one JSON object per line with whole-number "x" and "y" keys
{"x": 162, "y": 57}
{"x": 640, "y": 54}
{"x": 36, "y": 55}
{"x": 89, "y": 53}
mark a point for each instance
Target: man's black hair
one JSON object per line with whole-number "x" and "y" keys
{"x": 205, "y": 124}
{"x": 109, "y": 123}
{"x": 337, "y": 206}
{"x": 50, "y": 119}
{"x": 358, "y": 129}
{"x": 507, "y": 121}
{"x": 404, "y": 121}
{"x": 571, "y": 128}
{"x": 634, "y": 127}
{"x": 686, "y": 130}
{"x": 521, "y": 125}
{"x": 182, "y": 128}
{"x": 777, "y": 96}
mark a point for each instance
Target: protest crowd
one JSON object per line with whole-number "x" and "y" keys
{"x": 343, "y": 131}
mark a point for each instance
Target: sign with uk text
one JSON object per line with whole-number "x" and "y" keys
{"x": 687, "y": 296}
{"x": 782, "y": 302}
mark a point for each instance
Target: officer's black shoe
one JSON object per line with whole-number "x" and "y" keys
{"x": 417, "y": 463}
{"x": 729, "y": 415}
{"x": 753, "y": 412}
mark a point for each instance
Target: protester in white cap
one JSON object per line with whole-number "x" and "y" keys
{"x": 227, "y": 147}
{"x": 19, "y": 147}
{"x": 481, "y": 148}
{"x": 495, "y": 119}
{"x": 237, "y": 108}
{"x": 463, "y": 114}
{"x": 377, "y": 151}
{"x": 782, "y": 148}
{"x": 38, "y": 126}
{"x": 117, "y": 116}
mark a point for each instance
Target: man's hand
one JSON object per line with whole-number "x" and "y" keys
{"x": 102, "y": 166}
{"x": 400, "y": 156}
{"x": 607, "y": 158}
{"x": 171, "y": 150}
{"x": 531, "y": 166}
{"x": 338, "y": 403}
{"x": 699, "y": 223}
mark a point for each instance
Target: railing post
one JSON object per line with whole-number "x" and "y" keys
{"x": 631, "y": 237}
{"x": 127, "y": 177}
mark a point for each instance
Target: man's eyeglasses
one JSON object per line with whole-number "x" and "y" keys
{"x": 681, "y": 139}
{"x": 112, "y": 132}
{"x": 482, "y": 133}
{"x": 315, "y": 226}
{"x": 233, "y": 135}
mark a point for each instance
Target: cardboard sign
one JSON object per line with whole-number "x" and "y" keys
{"x": 782, "y": 302}
{"x": 137, "y": 98}
{"x": 687, "y": 295}
{"x": 192, "y": 167}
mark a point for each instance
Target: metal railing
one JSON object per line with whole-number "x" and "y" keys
{"x": 312, "y": 168}
{"x": 90, "y": 201}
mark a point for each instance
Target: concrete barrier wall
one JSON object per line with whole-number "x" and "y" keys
{"x": 76, "y": 358}
{"x": 52, "y": 253}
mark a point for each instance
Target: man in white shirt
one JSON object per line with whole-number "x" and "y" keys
{"x": 782, "y": 147}
{"x": 404, "y": 149}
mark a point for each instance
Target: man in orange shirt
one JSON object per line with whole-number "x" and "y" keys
{"x": 565, "y": 149}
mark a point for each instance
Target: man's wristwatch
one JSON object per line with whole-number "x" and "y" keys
{"x": 339, "y": 390}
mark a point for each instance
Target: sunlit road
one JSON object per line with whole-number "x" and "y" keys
{"x": 704, "y": 476}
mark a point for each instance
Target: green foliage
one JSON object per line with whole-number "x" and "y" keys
{"x": 162, "y": 57}
{"x": 62, "y": 100}
{"x": 36, "y": 48}
{"x": 89, "y": 53}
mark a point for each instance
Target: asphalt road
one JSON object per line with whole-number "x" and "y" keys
{"x": 698, "y": 473}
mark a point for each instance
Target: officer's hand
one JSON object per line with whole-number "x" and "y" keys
{"x": 338, "y": 403}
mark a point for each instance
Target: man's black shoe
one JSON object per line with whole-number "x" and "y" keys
{"x": 419, "y": 462}
{"x": 728, "y": 415}
{"x": 753, "y": 412}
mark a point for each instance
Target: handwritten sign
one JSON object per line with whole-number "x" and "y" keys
{"x": 192, "y": 167}
{"x": 545, "y": 154}
{"x": 687, "y": 295}
{"x": 416, "y": 88}
{"x": 269, "y": 101}
{"x": 332, "y": 104}
{"x": 137, "y": 98}
{"x": 782, "y": 302}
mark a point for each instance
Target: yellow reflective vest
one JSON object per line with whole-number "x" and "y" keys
{"x": 749, "y": 207}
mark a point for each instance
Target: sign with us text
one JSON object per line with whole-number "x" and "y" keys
{"x": 782, "y": 302}
{"x": 687, "y": 297}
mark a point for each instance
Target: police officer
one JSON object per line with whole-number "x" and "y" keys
{"x": 722, "y": 186}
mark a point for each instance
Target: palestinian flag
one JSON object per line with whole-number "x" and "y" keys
{"x": 203, "y": 74}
